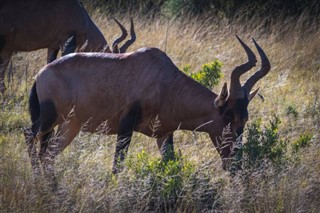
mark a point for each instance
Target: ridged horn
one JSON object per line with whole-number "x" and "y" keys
{"x": 235, "y": 85}
{"x": 264, "y": 70}
{"x": 124, "y": 33}
{"x": 128, "y": 43}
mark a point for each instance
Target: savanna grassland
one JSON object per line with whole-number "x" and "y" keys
{"x": 281, "y": 161}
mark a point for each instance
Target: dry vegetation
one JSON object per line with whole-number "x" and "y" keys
{"x": 291, "y": 91}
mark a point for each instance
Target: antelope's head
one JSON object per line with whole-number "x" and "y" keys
{"x": 233, "y": 104}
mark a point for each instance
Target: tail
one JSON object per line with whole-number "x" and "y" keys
{"x": 34, "y": 110}
{"x": 34, "y": 106}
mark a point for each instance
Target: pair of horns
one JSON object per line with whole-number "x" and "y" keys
{"x": 123, "y": 36}
{"x": 236, "y": 90}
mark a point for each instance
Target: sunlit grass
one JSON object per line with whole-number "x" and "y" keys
{"x": 291, "y": 91}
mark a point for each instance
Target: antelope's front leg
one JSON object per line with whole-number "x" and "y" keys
{"x": 52, "y": 54}
{"x": 5, "y": 56}
{"x": 123, "y": 142}
{"x": 126, "y": 127}
{"x": 165, "y": 146}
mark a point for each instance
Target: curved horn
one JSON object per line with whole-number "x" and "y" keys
{"x": 265, "y": 67}
{"x": 124, "y": 33}
{"x": 235, "y": 85}
{"x": 126, "y": 45}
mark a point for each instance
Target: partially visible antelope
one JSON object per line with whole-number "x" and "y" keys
{"x": 128, "y": 91}
{"x": 32, "y": 25}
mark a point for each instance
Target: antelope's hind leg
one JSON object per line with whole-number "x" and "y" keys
{"x": 65, "y": 134}
{"x": 5, "y": 55}
{"x": 30, "y": 138}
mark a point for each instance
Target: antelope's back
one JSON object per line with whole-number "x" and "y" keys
{"x": 107, "y": 84}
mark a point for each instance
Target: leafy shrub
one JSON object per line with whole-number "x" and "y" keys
{"x": 170, "y": 185}
{"x": 176, "y": 7}
{"x": 303, "y": 141}
{"x": 209, "y": 76}
{"x": 291, "y": 110}
{"x": 168, "y": 176}
{"x": 264, "y": 144}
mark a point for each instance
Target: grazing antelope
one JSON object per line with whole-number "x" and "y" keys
{"x": 32, "y": 25}
{"x": 128, "y": 92}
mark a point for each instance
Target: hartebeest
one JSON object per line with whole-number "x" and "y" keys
{"x": 127, "y": 92}
{"x": 32, "y": 25}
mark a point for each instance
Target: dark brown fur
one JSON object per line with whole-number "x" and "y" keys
{"x": 32, "y": 24}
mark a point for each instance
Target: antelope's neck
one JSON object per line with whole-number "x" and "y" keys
{"x": 96, "y": 40}
{"x": 190, "y": 104}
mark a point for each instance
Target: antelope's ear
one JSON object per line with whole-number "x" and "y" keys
{"x": 223, "y": 97}
{"x": 253, "y": 94}
{"x": 106, "y": 49}
{"x": 115, "y": 48}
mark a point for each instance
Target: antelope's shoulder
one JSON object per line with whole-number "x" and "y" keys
{"x": 151, "y": 51}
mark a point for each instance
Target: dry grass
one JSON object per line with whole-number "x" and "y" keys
{"x": 84, "y": 169}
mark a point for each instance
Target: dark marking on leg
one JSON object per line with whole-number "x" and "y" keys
{"x": 166, "y": 148}
{"x": 67, "y": 130}
{"x": 44, "y": 143}
{"x": 126, "y": 127}
{"x": 2, "y": 71}
{"x": 52, "y": 54}
{"x": 5, "y": 55}
{"x": 30, "y": 134}
{"x": 2, "y": 43}
{"x": 48, "y": 116}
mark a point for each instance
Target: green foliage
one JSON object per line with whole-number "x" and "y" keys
{"x": 172, "y": 184}
{"x": 176, "y": 7}
{"x": 264, "y": 144}
{"x": 291, "y": 110}
{"x": 222, "y": 8}
{"x": 303, "y": 141}
{"x": 186, "y": 69}
{"x": 209, "y": 76}
{"x": 167, "y": 177}
{"x": 146, "y": 7}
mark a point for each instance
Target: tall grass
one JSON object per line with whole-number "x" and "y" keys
{"x": 291, "y": 90}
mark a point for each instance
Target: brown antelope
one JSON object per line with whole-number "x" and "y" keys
{"x": 32, "y": 25}
{"x": 129, "y": 91}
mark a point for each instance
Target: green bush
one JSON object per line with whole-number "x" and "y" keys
{"x": 176, "y": 7}
{"x": 167, "y": 177}
{"x": 303, "y": 141}
{"x": 291, "y": 110}
{"x": 209, "y": 76}
{"x": 171, "y": 185}
{"x": 220, "y": 8}
{"x": 264, "y": 144}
